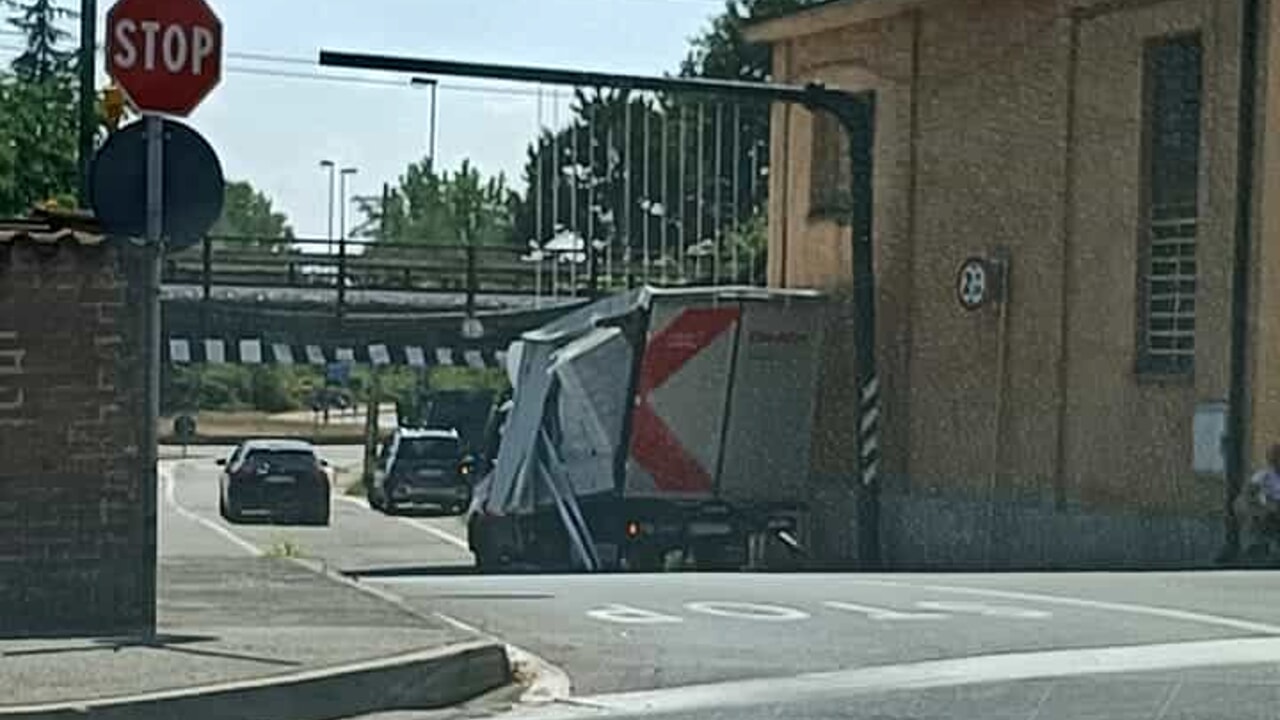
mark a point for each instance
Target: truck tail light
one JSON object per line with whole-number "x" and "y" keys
{"x": 633, "y": 529}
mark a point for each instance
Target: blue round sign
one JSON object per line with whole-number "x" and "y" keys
{"x": 194, "y": 188}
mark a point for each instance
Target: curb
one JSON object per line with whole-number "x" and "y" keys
{"x": 421, "y": 680}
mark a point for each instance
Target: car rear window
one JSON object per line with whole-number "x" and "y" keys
{"x": 415, "y": 449}
{"x": 283, "y": 460}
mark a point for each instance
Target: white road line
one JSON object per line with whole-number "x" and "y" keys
{"x": 1004, "y": 667}
{"x": 166, "y": 474}
{"x": 416, "y": 524}
{"x": 1148, "y": 610}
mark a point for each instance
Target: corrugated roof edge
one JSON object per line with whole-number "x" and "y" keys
{"x": 50, "y": 226}
{"x": 824, "y": 16}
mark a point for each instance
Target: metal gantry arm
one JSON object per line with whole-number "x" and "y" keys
{"x": 856, "y": 114}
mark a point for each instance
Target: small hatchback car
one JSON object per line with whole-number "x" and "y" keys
{"x": 274, "y": 479}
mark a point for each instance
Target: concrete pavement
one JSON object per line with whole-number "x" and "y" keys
{"x": 242, "y": 620}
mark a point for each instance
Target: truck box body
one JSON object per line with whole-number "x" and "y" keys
{"x": 642, "y": 409}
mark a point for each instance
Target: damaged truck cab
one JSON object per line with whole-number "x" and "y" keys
{"x": 654, "y": 428}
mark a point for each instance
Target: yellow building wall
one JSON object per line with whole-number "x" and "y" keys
{"x": 1015, "y": 124}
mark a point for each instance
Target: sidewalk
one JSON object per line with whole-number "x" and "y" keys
{"x": 274, "y": 635}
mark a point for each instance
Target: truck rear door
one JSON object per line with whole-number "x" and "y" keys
{"x": 767, "y": 436}
{"x": 681, "y": 394}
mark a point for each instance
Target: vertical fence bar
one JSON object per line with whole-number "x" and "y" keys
{"x": 536, "y": 192}
{"x": 752, "y": 253}
{"x": 628, "y": 199}
{"x": 613, "y": 183}
{"x": 647, "y": 207}
{"x": 570, "y": 224}
{"x": 557, "y": 168}
{"x": 593, "y": 267}
{"x": 699, "y": 228}
{"x": 717, "y": 215}
{"x": 575, "y": 230}
{"x": 342, "y": 275}
{"x": 666, "y": 191}
{"x": 682, "y": 190}
{"x": 473, "y": 278}
{"x": 206, "y": 268}
{"x": 735, "y": 191}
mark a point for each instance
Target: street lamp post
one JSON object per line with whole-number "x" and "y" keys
{"x": 342, "y": 196}
{"x": 342, "y": 239}
{"x": 328, "y": 165}
{"x": 431, "y": 129}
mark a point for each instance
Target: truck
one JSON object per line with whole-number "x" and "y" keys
{"x": 653, "y": 429}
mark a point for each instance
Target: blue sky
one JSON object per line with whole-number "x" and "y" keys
{"x": 274, "y": 131}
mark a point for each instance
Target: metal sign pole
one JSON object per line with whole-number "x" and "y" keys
{"x": 152, "y": 252}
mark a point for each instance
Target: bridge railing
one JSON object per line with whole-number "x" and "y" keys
{"x": 344, "y": 266}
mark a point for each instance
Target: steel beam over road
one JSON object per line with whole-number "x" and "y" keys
{"x": 855, "y": 113}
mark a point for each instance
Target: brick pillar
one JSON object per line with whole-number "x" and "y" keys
{"x": 73, "y": 556}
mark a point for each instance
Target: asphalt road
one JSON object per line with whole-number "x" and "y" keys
{"x": 357, "y": 538}
{"x": 1048, "y": 646}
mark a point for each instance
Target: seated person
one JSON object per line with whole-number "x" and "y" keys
{"x": 1258, "y": 505}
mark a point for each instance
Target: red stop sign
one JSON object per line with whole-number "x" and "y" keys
{"x": 166, "y": 55}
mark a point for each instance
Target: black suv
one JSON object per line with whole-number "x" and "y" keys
{"x": 422, "y": 467}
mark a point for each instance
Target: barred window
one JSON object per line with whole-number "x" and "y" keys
{"x": 829, "y": 192}
{"x": 1170, "y": 215}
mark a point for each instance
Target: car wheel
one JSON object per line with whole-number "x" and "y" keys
{"x": 385, "y": 503}
{"x": 229, "y": 509}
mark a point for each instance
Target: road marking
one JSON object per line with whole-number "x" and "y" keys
{"x": 984, "y": 609}
{"x": 879, "y": 613}
{"x": 1004, "y": 667}
{"x": 166, "y": 474}
{"x": 629, "y": 615}
{"x": 1148, "y": 610}
{"x": 444, "y": 535}
{"x": 748, "y": 611}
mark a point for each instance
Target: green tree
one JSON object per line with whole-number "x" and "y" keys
{"x": 37, "y": 20}
{"x": 442, "y": 208}
{"x": 721, "y": 51}
{"x": 38, "y": 111}
{"x": 249, "y": 213}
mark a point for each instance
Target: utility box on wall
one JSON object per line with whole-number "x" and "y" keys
{"x": 77, "y": 542}
{"x": 1209, "y": 430}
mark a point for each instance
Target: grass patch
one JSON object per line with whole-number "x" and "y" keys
{"x": 284, "y": 548}
{"x": 354, "y": 488}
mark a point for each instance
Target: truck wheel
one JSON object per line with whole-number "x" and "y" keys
{"x": 643, "y": 559}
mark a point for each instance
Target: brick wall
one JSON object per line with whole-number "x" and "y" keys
{"x": 76, "y": 545}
